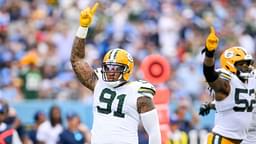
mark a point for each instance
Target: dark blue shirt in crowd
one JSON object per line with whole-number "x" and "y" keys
{"x": 32, "y": 135}
{"x": 68, "y": 137}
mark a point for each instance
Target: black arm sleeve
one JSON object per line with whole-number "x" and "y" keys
{"x": 210, "y": 74}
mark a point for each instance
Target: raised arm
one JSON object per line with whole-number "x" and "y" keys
{"x": 82, "y": 69}
{"x": 219, "y": 85}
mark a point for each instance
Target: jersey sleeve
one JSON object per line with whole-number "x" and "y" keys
{"x": 223, "y": 74}
{"x": 146, "y": 89}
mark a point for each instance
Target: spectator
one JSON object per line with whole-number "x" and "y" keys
{"x": 177, "y": 136}
{"x": 39, "y": 118}
{"x": 31, "y": 76}
{"x": 13, "y": 121}
{"x": 73, "y": 133}
{"x": 48, "y": 132}
{"x": 7, "y": 133}
{"x": 185, "y": 124}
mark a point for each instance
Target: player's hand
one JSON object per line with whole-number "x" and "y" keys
{"x": 212, "y": 40}
{"x": 86, "y": 15}
{"x": 204, "y": 109}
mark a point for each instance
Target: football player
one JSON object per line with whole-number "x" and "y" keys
{"x": 118, "y": 104}
{"x": 251, "y": 134}
{"x": 234, "y": 93}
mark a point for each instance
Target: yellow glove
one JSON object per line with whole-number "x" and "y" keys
{"x": 212, "y": 40}
{"x": 86, "y": 15}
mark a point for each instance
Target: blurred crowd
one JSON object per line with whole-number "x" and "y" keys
{"x": 46, "y": 128}
{"x": 36, "y": 39}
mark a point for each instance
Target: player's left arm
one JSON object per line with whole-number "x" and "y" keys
{"x": 148, "y": 114}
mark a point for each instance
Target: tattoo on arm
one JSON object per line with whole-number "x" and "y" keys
{"x": 83, "y": 70}
{"x": 144, "y": 104}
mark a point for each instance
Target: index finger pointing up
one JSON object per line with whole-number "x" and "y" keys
{"x": 94, "y": 8}
{"x": 212, "y": 30}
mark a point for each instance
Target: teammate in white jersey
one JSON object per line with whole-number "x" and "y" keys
{"x": 234, "y": 92}
{"x": 119, "y": 104}
{"x": 251, "y": 134}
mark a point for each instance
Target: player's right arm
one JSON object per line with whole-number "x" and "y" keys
{"x": 219, "y": 85}
{"x": 83, "y": 70}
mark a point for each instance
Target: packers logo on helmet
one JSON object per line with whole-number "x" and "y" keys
{"x": 117, "y": 61}
{"x": 231, "y": 56}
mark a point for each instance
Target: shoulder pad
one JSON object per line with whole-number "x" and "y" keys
{"x": 146, "y": 89}
{"x": 224, "y": 74}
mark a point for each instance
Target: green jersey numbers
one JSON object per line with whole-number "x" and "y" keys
{"x": 244, "y": 105}
{"x": 107, "y": 97}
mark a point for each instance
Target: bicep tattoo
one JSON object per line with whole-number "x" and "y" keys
{"x": 85, "y": 74}
{"x": 144, "y": 104}
{"x": 83, "y": 70}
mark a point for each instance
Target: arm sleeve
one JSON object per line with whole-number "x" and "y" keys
{"x": 16, "y": 138}
{"x": 151, "y": 124}
{"x": 209, "y": 73}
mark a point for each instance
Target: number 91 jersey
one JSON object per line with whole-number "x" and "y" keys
{"x": 115, "y": 116}
{"x": 234, "y": 113}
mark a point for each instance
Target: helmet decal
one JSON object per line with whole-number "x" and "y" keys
{"x": 130, "y": 58}
{"x": 228, "y": 54}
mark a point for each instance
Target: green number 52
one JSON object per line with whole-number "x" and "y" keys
{"x": 244, "y": 105}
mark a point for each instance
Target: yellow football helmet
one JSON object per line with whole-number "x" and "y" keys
{"x": 231, "y": 56}
{"x": 119, "y": 60}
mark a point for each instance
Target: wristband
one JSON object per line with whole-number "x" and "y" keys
{"x": 209, "y": 73}
{"x": 82, "y": 32}
{"x": 209, "y": 53}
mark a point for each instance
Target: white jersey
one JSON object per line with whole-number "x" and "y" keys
{"x": 251, "y": 136}
{"x": 234, "y": 113}
{"x": 115, "y": 116}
